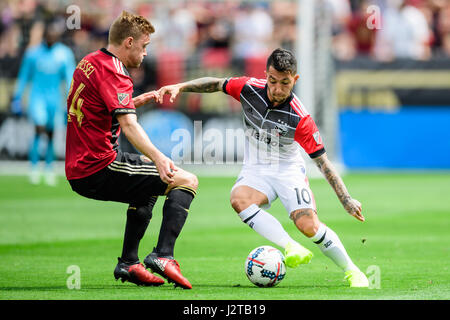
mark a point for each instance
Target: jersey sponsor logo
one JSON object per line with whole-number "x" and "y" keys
{"x": 317, "y": 137}
{"x": 262, "y": 136}
{"x": 269, "y": 137}
{"x": 124, "y": 98}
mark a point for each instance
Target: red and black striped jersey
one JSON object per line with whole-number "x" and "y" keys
{"x": 278, "y": 131}
{"x": 101, "y": 88}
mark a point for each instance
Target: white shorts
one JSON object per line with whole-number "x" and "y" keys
{"x": 289, "y": 183}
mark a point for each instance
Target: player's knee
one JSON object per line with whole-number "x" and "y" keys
{"x": 189, "y": 180}
{"x": 49, "y": 134}
{"x": 193, "y": 181}
{"x": 308, "y": 228}
{"x": 306, "y": 221}
{"x": 40, "y": 130}
{"x": 239, "y": 204}
{"x": 140, "y": 213}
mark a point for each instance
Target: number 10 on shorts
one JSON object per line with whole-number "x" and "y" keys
{"x": 303, "y": 195}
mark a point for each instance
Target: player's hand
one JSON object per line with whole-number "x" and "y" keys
{"x": 16, "y": 106}
{"x": 354, "y": 208}
{"x": 145, "y": 98}
{"x": 151, "y": 95}
{"x": 166, "y": 169}
{"x": 173, "y": 90}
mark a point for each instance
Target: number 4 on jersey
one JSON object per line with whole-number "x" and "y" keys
{"x": 77, "y": 103}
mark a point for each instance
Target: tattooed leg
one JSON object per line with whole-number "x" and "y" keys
{"x": 325, "y": 238}
{"x": 306, "y": 221}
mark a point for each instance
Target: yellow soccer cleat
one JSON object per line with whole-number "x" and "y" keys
{"x": 296, "y": 255}
{"x": 356, "y": 279}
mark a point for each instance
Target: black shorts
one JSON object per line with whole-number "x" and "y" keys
{"x": 130, "y": 178}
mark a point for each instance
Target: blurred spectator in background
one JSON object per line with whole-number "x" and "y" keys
{"x": 215, "y": 47}
{"x": 21, "y": 26}
{"x": 253, "y": 36}
{"x": 442, "y": 27}
{"x": 196, "y": 36}
{"x": 364, "y": 37}
{"x": 253, "y": 30}
{"x": 284, "y": 15}
{"x": 45, "y": 67}
{"x": 343, "y": 42}
{"x": 176, "y": 28}
{"x": 409, "y": 27}
{"x": 405, "y": 32}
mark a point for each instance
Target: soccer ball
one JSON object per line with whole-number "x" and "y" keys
{"x": 265, "y": 266}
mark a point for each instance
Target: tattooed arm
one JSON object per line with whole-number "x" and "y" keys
{"x": 352, "y": 206}
{"x": 200, "y": 85}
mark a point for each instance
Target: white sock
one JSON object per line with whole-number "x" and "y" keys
{"x": 329, "y": 243}
{"x": 266, "y": 225}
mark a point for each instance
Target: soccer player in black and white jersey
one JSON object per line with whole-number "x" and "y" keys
{"x": 278, "y": 125}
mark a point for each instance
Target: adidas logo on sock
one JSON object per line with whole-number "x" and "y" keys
{"x": 329, "y": 243}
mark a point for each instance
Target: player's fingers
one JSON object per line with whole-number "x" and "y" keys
{"x": 358, "y": 205}
{"x": 161, "y": 92}
{"x": 166, "y": 178}
{"x": 359, "y": 216}
{"x": 173, "y": 96}
{"x": 161, "y": 97}
{"x": 173, "y": 167}
{"x": 170, "y": 180}
{"x": 164, "y": 171}
{"x": 169, "y": 169}
{"x": 153, "y": 95}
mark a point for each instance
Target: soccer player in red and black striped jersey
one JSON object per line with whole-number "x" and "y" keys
{"x": 277, "y": 126}
{"x": 100, "y": 105}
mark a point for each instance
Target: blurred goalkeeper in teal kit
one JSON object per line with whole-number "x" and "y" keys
{"x": 48, "y": 69}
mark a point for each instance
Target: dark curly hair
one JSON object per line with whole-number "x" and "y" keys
{"x": 282, "y": 60}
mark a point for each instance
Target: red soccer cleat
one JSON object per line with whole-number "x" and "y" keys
{"x": 136, "y": 273}
{"x": 168, "y": 268}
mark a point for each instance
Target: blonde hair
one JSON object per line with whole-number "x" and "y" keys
{"x": 128, "y": 25}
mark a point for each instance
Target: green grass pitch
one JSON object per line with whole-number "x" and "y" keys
{"x": 406, "y": 236}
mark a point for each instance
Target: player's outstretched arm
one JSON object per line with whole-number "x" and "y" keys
{"x": 200, "y": 85}
{"x": 352, "y": 206}
{"x": 145, "y": 98}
